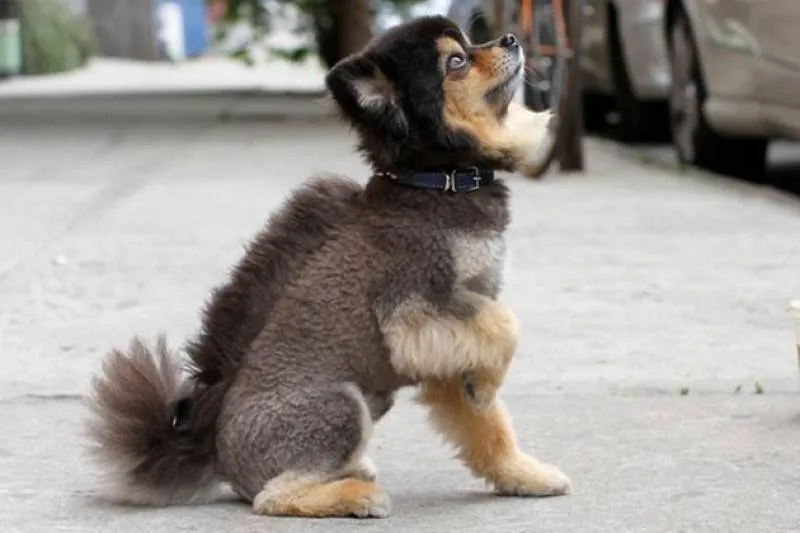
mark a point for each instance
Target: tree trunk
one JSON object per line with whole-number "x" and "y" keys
{"x": 354, "y": 18}
{"x": 571, "y": 128}
{"x": 343, "y": 28}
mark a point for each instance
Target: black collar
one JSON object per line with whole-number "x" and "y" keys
{"x": 461, "y": 180}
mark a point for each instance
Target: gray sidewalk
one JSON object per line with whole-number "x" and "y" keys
{"x": 208, "y": 87}
{"x": 652, "y": 304}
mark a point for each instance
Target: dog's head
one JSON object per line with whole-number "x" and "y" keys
{"x": 422, "y": 96}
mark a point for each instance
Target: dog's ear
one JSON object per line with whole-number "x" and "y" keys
{"x": 366, "y": 96}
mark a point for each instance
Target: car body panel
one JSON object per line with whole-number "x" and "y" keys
{"x": 639, "y": 23}
{"x": 726, "y": 45}
{"x": 725, "y": 54}
{"x": 595, "y": 52}
{"x": 775, "y": 26}
{"x": 749, "y": 53}
{"x": 643, "y": 46}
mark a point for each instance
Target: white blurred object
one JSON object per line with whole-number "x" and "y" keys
{"x": 794, "y": 310}
{"x": 10, "y": 47}
{"x": 170, "y": 30}
{"x": 388, "y": 15}
{"x": 519, "y": 96}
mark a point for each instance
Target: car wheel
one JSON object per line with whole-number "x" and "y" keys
{"x": 479, "y": 31}
{"x": 639, "y": 121}
{"x": 595, "y": 112}
{"x": 695, "y": 141}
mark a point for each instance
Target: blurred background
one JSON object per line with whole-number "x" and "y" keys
{"x": 723, "y": 98}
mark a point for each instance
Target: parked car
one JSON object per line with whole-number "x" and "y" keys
{"x": 735, "y": 80}
{"x": 721, "y": 77}
{"x": 625, "y": 67}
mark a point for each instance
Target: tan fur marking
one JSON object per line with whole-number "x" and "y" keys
{"x": 448, "y": 45}
{"x": 484, "y": 60}
{"x": 293, "y": 494}
{"x": 486, "y": 443}
{"x": 425, "y": 344}
{"x": 465, "y": 107}
{"x": 527, "y": 135}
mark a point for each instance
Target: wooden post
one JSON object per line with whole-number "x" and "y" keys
{"x": 570, "y": 142}
{"x": 354, "y": 18}
{"x": 499, "y": 18}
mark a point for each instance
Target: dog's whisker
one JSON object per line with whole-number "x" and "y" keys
{"x": 533, "y": 71}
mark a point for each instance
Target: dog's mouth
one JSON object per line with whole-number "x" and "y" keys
{"x": 501, "y": 95}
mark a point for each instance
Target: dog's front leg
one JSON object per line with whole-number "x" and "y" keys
{"x": 474, "y": 347}
{"x": 486, "y": 442}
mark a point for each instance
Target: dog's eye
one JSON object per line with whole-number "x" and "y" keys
{"x": 456, "y": 62}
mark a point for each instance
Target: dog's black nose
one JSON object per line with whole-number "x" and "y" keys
{"x": 509, "y": 40}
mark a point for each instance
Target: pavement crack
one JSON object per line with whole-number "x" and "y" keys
{"x": 41, "y": 398}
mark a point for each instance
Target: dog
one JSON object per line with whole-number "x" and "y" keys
{"x": 350, "y": 293}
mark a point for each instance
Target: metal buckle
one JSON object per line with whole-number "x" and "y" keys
{"x": 450, "y": 180}
{"x": 476, "y": 179}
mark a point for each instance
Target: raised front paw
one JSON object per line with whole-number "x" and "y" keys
{"x": 542, "y": 147}
{"x": 480, "y": 389}
{"x": 535, "y": 136}
{"x": 523, "y": 475}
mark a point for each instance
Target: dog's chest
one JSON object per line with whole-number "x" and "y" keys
{"x": 478, "y": 257}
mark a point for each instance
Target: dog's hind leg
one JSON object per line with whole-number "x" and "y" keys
{"x": 486, "y": 442}
{"x": 309, "y": 495}
{"x": 301, "y": 453}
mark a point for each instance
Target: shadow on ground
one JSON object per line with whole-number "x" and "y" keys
{"x": 783, "y": 169}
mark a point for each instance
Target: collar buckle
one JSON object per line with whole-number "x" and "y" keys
{"x": 451, "y": 182}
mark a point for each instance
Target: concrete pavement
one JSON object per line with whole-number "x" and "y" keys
{"x": 652, "y": 303}
{"x": 213, "y": 86}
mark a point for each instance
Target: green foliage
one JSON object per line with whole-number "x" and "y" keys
{"x": 239, "y": 9}
{"x": 53, "y": 38}
{"x": 320, "y": 22}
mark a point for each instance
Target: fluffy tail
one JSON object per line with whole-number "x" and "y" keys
{"x": 152, "y": 431}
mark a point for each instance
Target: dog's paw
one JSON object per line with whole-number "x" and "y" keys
{"x": 542, "y": 146}
{"x": 526, "y": 476}
{"x": 479, "y": 391}
{"x": 535, "y": 134}
{"x": 374, "y": 505}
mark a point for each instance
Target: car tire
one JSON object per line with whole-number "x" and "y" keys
{"x": 695, "y": 142}
{"x": 479, "y": 31}
{"x": 596, "y": 108}
{"x": 639, "y": 121}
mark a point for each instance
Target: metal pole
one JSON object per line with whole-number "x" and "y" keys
{"x": 570, "y": 142}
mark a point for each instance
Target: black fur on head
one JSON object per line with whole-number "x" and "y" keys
{"x": 415, "y": 107}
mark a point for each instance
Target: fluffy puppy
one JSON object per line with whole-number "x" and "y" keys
{"x": 350, "y": 293}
